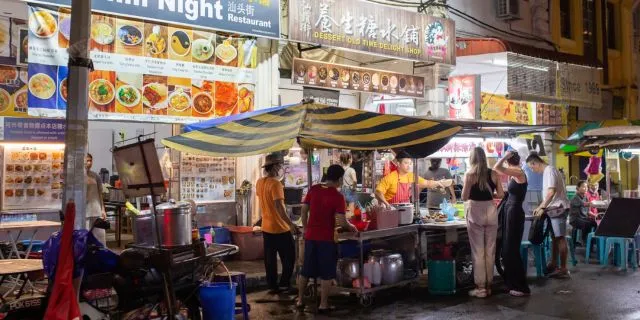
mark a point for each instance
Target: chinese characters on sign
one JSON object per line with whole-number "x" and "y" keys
{"x": 250, "y": 17}
{"x": 498, "y": 108}
{"x": 34, "y": 130}
{"x": 373, "y": 28}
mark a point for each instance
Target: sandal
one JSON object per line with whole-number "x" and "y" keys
{"x": 300, "y": 306}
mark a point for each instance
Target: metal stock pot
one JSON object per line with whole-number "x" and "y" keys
{"x": 174, "y": 223}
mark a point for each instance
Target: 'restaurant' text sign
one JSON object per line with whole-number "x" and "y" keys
{"x": 373, "y": 28}
{"x": 251, "y": 17}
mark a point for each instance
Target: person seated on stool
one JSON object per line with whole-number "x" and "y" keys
{"x": 580, "y": 216}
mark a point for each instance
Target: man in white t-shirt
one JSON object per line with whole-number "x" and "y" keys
{"x": 556, "y": 205}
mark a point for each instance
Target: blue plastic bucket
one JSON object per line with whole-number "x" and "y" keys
{"x": 218, "y": 300}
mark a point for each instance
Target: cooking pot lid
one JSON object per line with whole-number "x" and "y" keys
{"x": 172, "y": 204}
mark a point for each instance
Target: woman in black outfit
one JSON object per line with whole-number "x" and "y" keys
{"x": 515, "y": 276}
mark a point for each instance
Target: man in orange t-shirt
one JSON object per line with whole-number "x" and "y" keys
{"x": 277, "y": 227}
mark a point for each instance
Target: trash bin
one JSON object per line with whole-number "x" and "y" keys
{"x": 218, "y": 300}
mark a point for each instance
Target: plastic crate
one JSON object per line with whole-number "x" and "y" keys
{"x": 384, "y": 219}
{"x": 249, "y": 242}
{"x": 442, "y": 277}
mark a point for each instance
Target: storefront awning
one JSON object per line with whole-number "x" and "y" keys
{"x": 312, "y": 125}
{"x": 477, "y": 46}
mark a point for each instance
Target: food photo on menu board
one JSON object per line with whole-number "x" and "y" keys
{"x": 143, "y": 69}
{"x": 13, "y": 91}
{"x": 314, "y": 73}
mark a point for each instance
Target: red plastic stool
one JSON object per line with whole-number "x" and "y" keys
{"x": 241, "y": 279}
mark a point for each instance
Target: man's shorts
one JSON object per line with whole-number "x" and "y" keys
{"x": 320, "y": 259}
{"x": 559, "y": 225}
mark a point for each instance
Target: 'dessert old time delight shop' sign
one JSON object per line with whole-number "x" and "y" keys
{"x": 373, "y": 28}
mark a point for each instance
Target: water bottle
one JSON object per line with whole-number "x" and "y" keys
{"x": 213, "y": 235}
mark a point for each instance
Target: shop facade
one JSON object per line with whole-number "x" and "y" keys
{"x": 156, "y": 67}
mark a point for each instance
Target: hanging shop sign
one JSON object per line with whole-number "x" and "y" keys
{"x": 335, "y": 76}
{"x": 498, "y": 108}
{"x": 373, "y": 28}
{"x": 462, "y": 149}
{"x": 13, "y": 91}
{"x": 322, "y": 96}
{"x": 464, "y": 96}
{"x": 531, "y": 79}
{"x": 250, "y": 17}
{"x": 579, "y": 86}
{"x": 32, "y": 130}
{"x": 144, "y": 71}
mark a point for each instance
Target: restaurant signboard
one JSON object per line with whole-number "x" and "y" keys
{"x": 144, "y": 71}
{"x": 250, "y": 17}
{"x": 531, "y": 79}
{"x": 579, "y": 86}
{"x": 498, "y": 108}
{"x": 464, "y": 97}
{"x": 335, "y": 76}
{"x": 373, "y": 28}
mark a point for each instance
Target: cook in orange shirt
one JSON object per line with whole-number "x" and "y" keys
{"x": 277, "y": 227}
{"x": 395, "y": 188}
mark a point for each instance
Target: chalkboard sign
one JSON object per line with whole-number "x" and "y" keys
{"x": 621, "y": 219}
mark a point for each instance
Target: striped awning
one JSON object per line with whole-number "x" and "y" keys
{"x": 313, "y": 126}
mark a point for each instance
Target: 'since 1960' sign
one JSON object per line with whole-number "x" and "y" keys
{"x": 373, "y": 28}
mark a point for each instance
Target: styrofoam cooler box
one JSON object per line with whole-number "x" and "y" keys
{"x": 442, "y": 277}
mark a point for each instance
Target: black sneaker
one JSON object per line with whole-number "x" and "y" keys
{"x": 273, "y": 291}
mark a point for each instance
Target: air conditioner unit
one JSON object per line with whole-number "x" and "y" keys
{"x": 508, "y": 9}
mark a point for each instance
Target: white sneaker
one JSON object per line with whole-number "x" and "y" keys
{"x": 478, "y": 293}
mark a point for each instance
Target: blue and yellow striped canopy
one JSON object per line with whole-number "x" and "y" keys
{"x": 313, "y": 126}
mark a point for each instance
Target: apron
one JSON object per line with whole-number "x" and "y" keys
{"x": 403, "y": 194}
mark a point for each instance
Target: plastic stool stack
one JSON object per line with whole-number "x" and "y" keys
{"x": 621, "y": 247}
{"x": 601, "y": 242}
{"x": 539, "y": 258}
{"x": 241, "y": 279}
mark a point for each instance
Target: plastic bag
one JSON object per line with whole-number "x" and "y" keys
{"x": 81, "y": 239}
{"x": 448, "y": 209}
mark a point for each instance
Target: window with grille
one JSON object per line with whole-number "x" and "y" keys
{"x": 589, "y": 23}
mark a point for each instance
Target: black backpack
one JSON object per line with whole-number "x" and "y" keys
{"x": 537, "y": 232}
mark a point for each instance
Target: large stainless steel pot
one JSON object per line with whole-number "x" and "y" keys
{"x": 405, "y": 213}
{"x": 174, "y": 223}
{"x": 347, "y": 270}
{"x": 391, "y": 265}
{"x": 144, "y": 232}
{"x": 392, "y": 268}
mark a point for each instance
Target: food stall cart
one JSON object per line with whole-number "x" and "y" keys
{"x": 317, "y": 126}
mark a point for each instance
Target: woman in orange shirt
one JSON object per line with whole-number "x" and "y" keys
{"x": 277, "y": 227}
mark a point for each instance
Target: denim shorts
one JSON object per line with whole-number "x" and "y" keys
{"x": 559, "y": 225}
{"x": 349, "y": 195}
{"x": 320, "y": 259}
